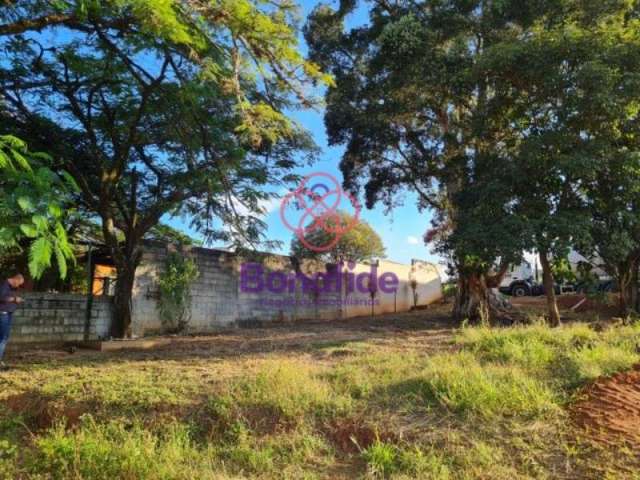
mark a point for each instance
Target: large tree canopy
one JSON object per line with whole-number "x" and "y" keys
{"x": 488, "y": 110}
{"x": 156, "y": 108}
{"x": 570, "y": 93}
{"x": 614, "y": 242}
{"x": 414, "y": 111}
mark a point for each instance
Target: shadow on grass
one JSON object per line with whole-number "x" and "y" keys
{"x": 307, "y": 337}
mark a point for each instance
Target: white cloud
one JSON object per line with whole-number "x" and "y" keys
{"x": 270, "y": 205}
{"x": 267, "y": 205}
{"x": 411, "y": 240}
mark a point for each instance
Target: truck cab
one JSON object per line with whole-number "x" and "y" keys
{"x": 518, "y": 281}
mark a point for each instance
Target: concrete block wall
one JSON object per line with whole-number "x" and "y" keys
{"x": 214, "y": 293}
{"x": 53, "y": 317}
{"x": 218, "y": 301}
{"x": 292, "y": 304}
{"x": 419, "y": 284}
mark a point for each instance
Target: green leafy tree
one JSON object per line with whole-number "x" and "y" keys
{"x": 412, "y": 111}
{"x": 574, "y": 101}
{"x": 166, "y": 234}
{"x": 551, "y": 170}
{"x": 485, "y": 239}
{"x": 360, "y": 242}
{"x": 614, "y": 241}
{"x": 492, "y": 112}
{"x": 158, "y": 109}
{"x": 32, "y": 211}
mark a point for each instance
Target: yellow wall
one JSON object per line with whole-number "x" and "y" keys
{"x": 427, "y": 283}
{"x": 99, "y": 273}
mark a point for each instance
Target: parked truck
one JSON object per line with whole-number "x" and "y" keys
{"x": 519, "y": 281}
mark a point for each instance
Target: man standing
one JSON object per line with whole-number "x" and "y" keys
{"x": 8, "y": 303}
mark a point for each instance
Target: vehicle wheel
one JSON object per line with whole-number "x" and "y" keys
{"x": 519, "y": 291}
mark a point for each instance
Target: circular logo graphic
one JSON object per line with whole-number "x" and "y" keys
{"x": 318, "y": 204}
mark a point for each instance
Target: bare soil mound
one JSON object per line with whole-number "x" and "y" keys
{"x": 609, "y": 409}
{"x": 606, "y": 306}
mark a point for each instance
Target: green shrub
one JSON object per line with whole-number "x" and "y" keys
{"x": 174, "y": 301}
{"x": 382, "y": 458}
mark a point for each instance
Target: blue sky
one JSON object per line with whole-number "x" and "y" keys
{"x": 401, "y": 230}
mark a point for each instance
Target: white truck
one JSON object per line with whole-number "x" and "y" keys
{"x": 519, "y": 281}
{"x": 522, "y": 280}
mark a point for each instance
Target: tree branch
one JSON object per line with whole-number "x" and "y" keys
{"x": 37, "y": 24}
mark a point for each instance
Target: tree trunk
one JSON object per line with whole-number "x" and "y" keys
{"x": 628, "y": 285}
{"x": 633, "y": 288}
{"x": 624, "y": 284}
{"x": 473, "y": 299}
{"x": 121, "y": 326}
{"x": 476, "y": 302}
{"x": 548, "y": 283}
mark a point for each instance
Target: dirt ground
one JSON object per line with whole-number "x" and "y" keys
{"x": 432, "y": 327}
{"x": 570, "y": 305}
{"x": 609, "y": 409}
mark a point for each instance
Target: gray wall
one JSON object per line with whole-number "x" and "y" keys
{"x": 217, "y": 299}
{"x": 292, "y": 304}
{"x": 214, "y": 293}
{"x": 53, "y": 317}
{"x": 219, "y": 302}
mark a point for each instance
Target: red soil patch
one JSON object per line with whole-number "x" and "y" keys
{"x": 40, "y": 412}
{"x": 605, "y": 309}
{"x": 577, "y": 302}
{"x": 609, "y": 409}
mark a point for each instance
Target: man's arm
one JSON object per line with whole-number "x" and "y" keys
{"x": 6, "y": 294}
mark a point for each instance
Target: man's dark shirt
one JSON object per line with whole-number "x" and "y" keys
{"x": 6, "y": 291}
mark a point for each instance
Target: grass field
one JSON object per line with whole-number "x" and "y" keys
{"x": 402, "y": 397}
